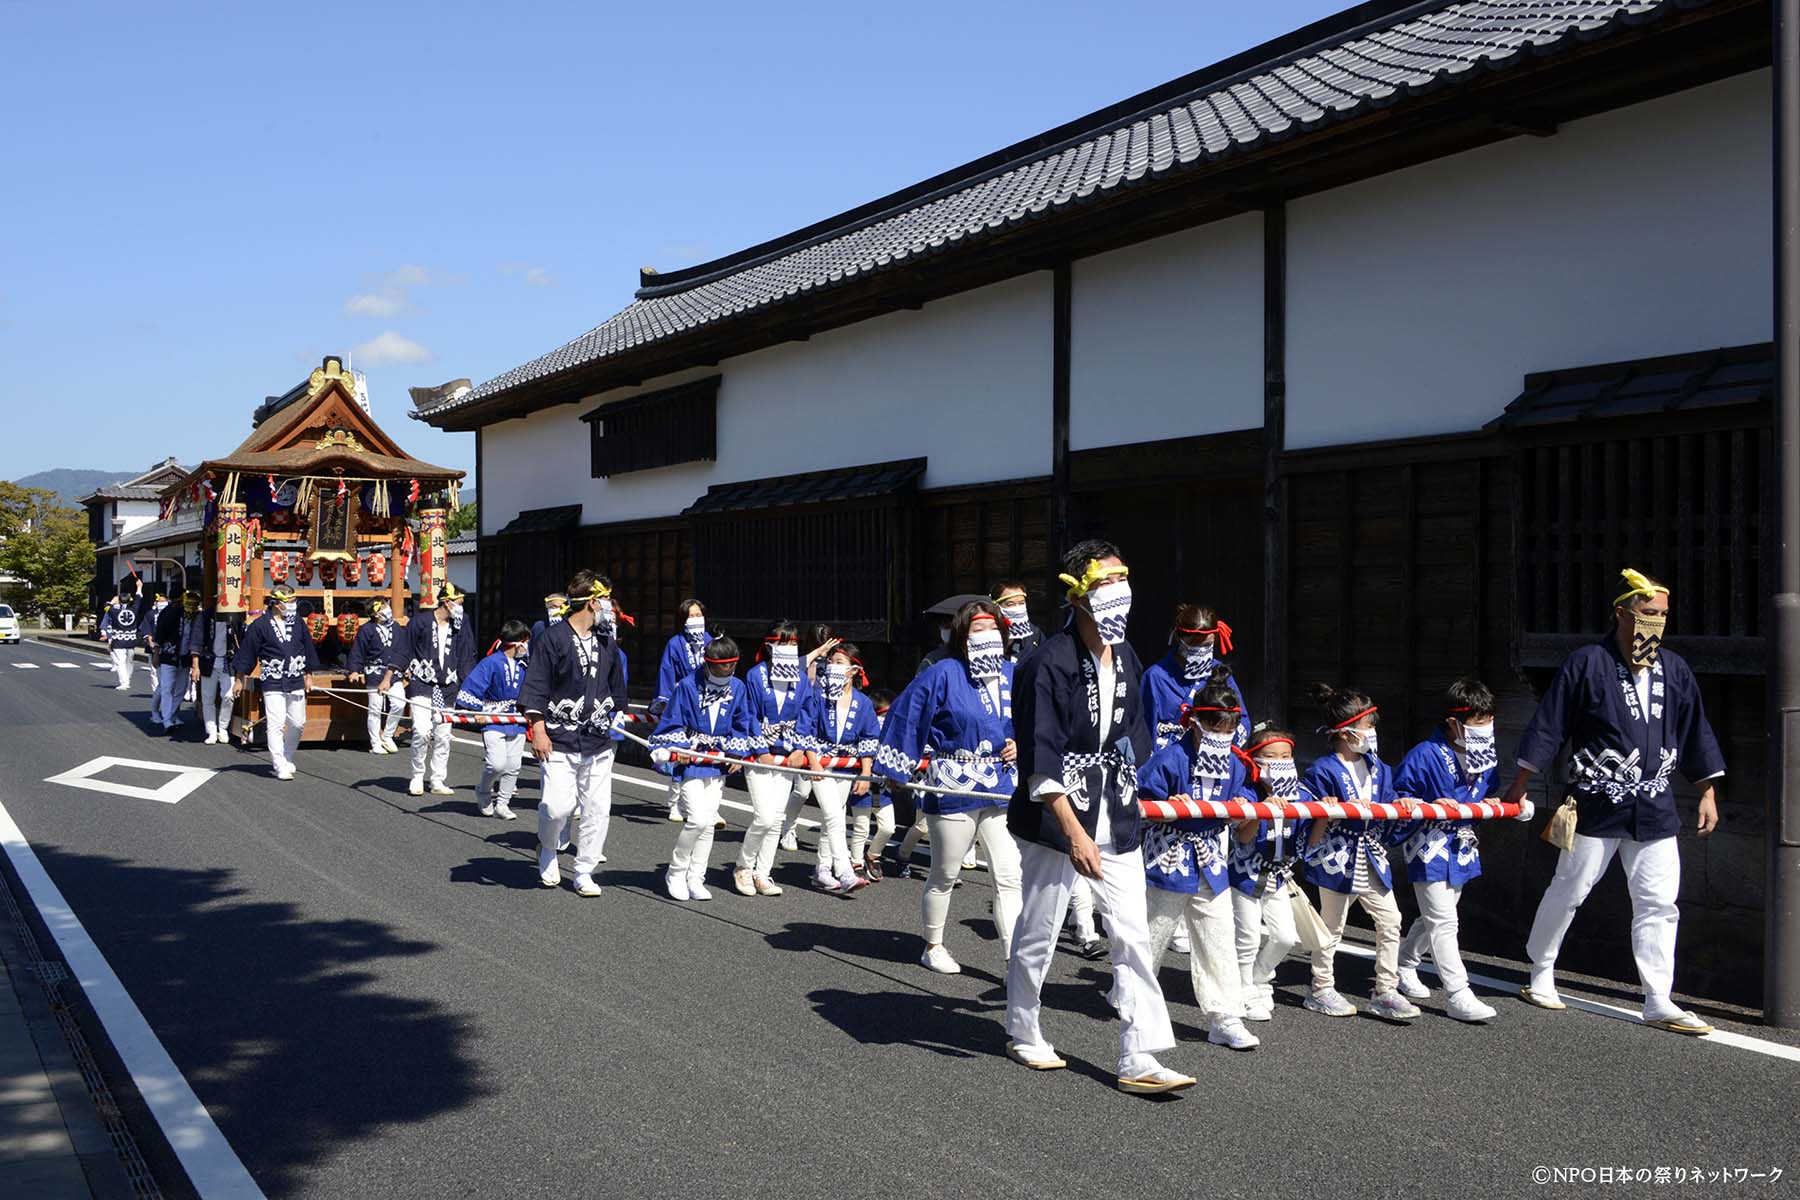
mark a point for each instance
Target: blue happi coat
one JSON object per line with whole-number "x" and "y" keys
{"x": 1189, "y": 855}
{"x": 1332, "y": 863}
{"x": 493, "y": 686}
{"x": 577, "y": 690}
{"x": 1266, "y": 862}
{"x": 728, "y": 726}
{"x": 119, "y": 626}
{"x": 1165, "y": 691}
{"x": 822, "y": 729}
{"x": 680, "y": 659}
{"x": 778, "y": 718}
{"x": 1622, "y": 755}
{"x": 1439, "y": 851}
{"x": 285, "y": 654}
{"x": 963, "y": 725}
{"x": 373, "y": 653}
{"x": 436, "y": 665}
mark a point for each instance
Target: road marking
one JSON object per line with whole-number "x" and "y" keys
{"x": 211, "y": 1164}
{"x": 73, "y": 666}
{"x": 26, "y": 666}
{"x": 1723, "y": 1037}
{"x": 185, "y": 780}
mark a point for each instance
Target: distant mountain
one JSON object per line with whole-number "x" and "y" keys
{"x": 72, "y": 483}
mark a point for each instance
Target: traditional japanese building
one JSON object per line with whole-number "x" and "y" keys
{"x": 1392, "y": 338}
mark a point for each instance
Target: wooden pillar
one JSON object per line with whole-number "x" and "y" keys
{"x": 1275, "y": 575}
{"x": 397, "y": 572}
{"x": 1061, "y": 317}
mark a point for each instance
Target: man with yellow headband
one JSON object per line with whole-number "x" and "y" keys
{"x": 1630, "y": 711}
{"x": 440, "y": 653}
{"x": 287, "y": 660}
{"x": 376, "y": 662}
{"x": 1078, "y": 716}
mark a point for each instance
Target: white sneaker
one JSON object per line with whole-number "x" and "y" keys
{"x": 789, "y": 841}
{"x": 938, "y": 959}
{"x": 438, "y": 789}
{"x": 487, "y": 810}
{"x": 377, "y": 748}
{"x": 1254, "y": 1011}
{"x": 677, "y": 886}
{"x": 123, "y": 687}
{"x": 550, "y": 876}
{"x": 507, "y": 814}
{"x": 1230, "y": 1032}
{"x": 1179, "y": 943}
{"x": 740, "y": 879}
{"x": 698, "y": 891}
{"x": 585, "y": 885}
{"x": 416, "y": 788}
{"x": 1411, "y": 986}
{"x": 211, "y": 738}
{"x": 1463, "y": 1006}
{"x": 285, "y": 774}
{"x": 392, "y": 746}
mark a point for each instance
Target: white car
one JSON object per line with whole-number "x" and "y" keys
{"x": 9, "y": 624}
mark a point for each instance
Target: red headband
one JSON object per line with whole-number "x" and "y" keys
{"x": 1270, "y": 741}
{"x": 1220, "y": 628}
{"x": 732, "y": 661}
{"x": 499, "y": 642}
{"x": 1188, "y": 710}
{"x": 1348, "y": 722}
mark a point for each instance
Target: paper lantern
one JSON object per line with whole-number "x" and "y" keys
{"x": 377, "y": 570}
{"x": 234, "y": 541}
{"x": 303, "y": 570}
{"x": 434, "y": 566}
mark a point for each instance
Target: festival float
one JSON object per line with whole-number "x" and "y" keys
{"x": 319, "y": 498}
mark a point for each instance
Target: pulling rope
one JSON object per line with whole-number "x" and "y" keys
{"x": 1326, "y": 810}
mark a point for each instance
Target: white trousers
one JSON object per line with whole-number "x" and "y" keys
{"x": 123, "y": 664}
{"x": 698, "y": 801}
{"x": 430, "y": 742}
{"x": 1212, "y": 945}
{"x": 1264, "y": 928}
{"x": 571, "y": 781}
{"x": 1652, "y": 876}
{"x": 1434, "y": 932}
{"x": 385, "y": 710}
{"x": 501, "y": 758}
{"x": 1046, "y": 875}
{"x": 832, "y": 795}
{"x": 1334, "y": 910}
{"x": 914, "y": 834}
{"x": 800, "y": 790}
{"x": 952, "y": 834}
{"x": 882, "y": 818}
{"x": 1081, "y": 908}
{"x": 769, "y": 791}
{"x": 171, "y": 684}
{"x": 215, "y": 701}
{"x": 284, "y": 716}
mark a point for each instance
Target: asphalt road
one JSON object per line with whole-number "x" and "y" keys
{"x": 373, "y": 998}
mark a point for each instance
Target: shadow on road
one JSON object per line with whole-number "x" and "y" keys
{"x": 276, "y": 1020}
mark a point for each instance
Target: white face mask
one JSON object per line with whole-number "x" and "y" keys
{"x": 1018, "y": 619}
{"x": 784, "y": 663}
{"x": 1479, "y": 747}
{"x": 694, "y": 628}
{"x": 1212, "y": 757}
{"x": 1110, "y": 606}
{"x": 835, "y": 676}
{"x": 552, "y": 612}
{"x": 987, "y": 654}
{"x": 1280, "y": 777}
{"x": 1371, "y": 741}
{"x": 720, "y": 678}
{"x": 1196, "y": 661}
{"x": 384, "y": 617}
{"x": 605, "y": 618}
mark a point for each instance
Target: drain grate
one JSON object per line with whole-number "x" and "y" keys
{"x": 51, "y": 972}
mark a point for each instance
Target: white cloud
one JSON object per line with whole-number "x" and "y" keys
{"x": 537, "y": 277}
{"x": 392, "y": 294}
{"x": 388, "y": 349}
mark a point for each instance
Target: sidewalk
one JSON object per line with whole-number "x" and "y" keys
{"x": 37, "y": 1150}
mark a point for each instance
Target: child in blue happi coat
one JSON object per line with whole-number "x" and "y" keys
{"x": 1198, "y": 643}
{"x": 837, "y": 722}
{"x": 1348, "y": 859}
{"x": 1264, "y": 855}
{"x": 493, "y": 687}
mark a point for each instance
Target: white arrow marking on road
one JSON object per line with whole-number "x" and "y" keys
{"x": 185, "y": 780}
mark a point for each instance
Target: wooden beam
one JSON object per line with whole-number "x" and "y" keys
{"x": 1274, "y": 441}
{"x": 1061, "y": 309}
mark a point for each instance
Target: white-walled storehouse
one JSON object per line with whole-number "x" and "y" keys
{"x": 1392, "y": 338}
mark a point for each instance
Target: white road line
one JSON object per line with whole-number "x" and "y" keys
{"x": 26, "y": 666}
{"x": 1722, "y": 1036}
{"x": 211, "y": 1164}
{"x": 75, "y": 666}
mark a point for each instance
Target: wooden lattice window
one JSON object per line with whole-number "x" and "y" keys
{"x": 657, "y": 429}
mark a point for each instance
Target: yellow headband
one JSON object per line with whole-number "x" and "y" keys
{"x": 1638, "y": 584}
{"x": 600, "y": 592}
{"x": 1096, "y": 574}
{"x": 281, "y": 595}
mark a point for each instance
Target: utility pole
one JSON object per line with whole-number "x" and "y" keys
{"x": 1781, "y": 945}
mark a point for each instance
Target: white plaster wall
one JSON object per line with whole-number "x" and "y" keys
{"x": 1418, "y": 300}
{"x": 1166, "y": 337}
{"x": 964, "y": 382}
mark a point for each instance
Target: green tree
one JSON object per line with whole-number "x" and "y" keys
{"x": 46, "y": 546}
{"x": 463, "y": 520}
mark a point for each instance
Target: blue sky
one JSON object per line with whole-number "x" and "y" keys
{"x": 204, "y": 199}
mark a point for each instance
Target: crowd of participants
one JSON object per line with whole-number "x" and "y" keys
{"x": 1034, "y": 747}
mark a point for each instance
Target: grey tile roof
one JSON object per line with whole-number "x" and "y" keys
{"x": 544, "y": 520}
{"x": 1411, "y": 52}
{"x": 814, "y": 487}
{"x": 1644, "y": 387}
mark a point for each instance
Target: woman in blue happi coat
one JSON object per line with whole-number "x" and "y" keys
{"x": 1197, "y": 645}
{"x": 838, "y": 722}
{"x": 681, "y": 658}
{"x": 1185, "y": 861}
{"x": 1348, "y": 859}
{"x": 960, "y": 707}
{"x": 777, "y": 687}
{"x": 710, "y": 712}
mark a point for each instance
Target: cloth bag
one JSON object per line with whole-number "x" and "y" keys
{"x": 1308, "y": 924}
{"x": 1560, "y": 832}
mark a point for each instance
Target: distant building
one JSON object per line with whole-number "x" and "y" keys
{"x": 115, "y": 512}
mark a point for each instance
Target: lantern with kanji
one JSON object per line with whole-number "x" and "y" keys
{"x": 377, "y": 570}
{"x": 303, "y": 570}
{"x": 433, "y": 557}
{"x": 346, "y": 628}
{"x": 318, "y": 626}
{"x": 234, "y": 541}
